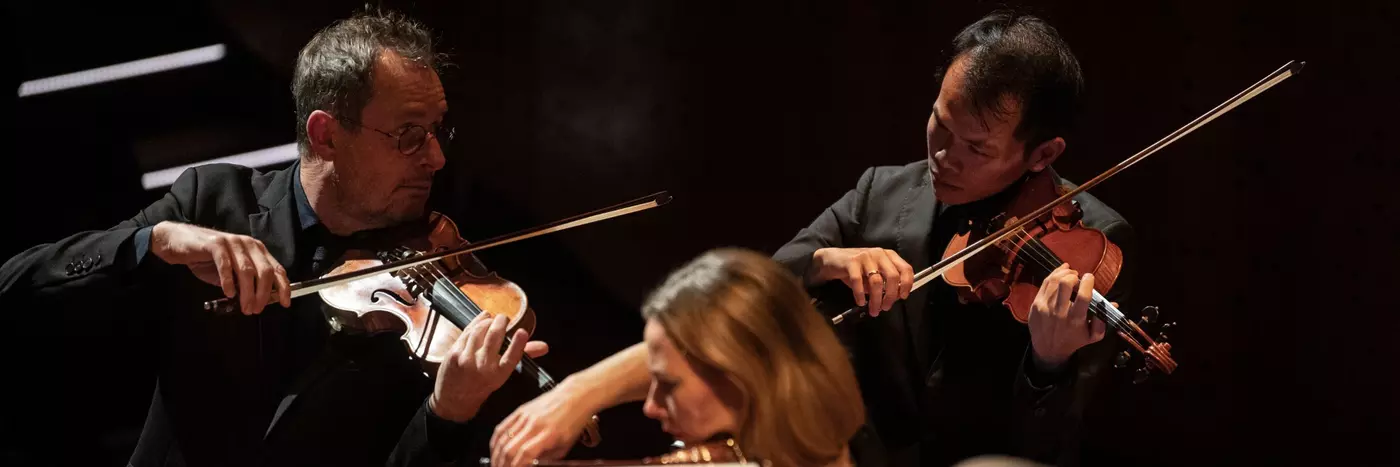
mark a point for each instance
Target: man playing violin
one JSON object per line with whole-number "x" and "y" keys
{"x": 943, "y": 381}
{"x": 273, "y": 385}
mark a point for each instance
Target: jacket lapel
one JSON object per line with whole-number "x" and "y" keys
{"x": 276, "y": 225}
{"x": 915, "y": 225}
{"x": 276, "y": 222}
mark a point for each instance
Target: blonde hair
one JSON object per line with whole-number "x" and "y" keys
{"x": 744, "y": 315}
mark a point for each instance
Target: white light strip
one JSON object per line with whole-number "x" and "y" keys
{"x": 123, "y": 70}
{"x": 259, "y": 158}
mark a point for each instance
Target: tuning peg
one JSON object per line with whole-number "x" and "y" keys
{"x": 1149, "y": 314}
{"x": 995, "y": 223}
{"x": 1122, "y": 359}
{"x": 1161, "y": 337}
{"x": 1141, "y": 375}
{"x": 1168, "y": 326}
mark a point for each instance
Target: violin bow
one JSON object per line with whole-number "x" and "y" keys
{"x": 923, "y": 277}
{"x": 308, "y": 287}
{"x": 714, "y": 454}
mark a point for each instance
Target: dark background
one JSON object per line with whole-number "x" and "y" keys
{"x": 1270, "y": 234}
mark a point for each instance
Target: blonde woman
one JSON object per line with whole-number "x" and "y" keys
{"x": 735, "y": 350}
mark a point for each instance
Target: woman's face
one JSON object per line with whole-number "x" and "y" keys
{"x": 689, "y": 400}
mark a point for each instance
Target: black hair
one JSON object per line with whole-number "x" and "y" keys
{"x": 1009, "y": 54}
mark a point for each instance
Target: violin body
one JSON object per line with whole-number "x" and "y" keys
{"x": 392, "y": 302}
{"x": 430, "y": 304}
{"x": 1009, "y": 273}
{"x": 1012, "y": 271}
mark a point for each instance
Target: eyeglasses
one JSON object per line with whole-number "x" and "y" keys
{"x": 413, "y": 137}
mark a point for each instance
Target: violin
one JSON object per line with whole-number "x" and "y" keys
{"x": 414, "y": 300}
{"x": 724, "y": 453}
{"x": 1012, "y": 273}
{"x": 410, "y": 288}
{"x": 1041, "y": 228}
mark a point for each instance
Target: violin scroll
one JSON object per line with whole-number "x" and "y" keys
{"x": 1154, "y": 354}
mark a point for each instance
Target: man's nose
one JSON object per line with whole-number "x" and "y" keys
{"x": 945, "y": 163}
{"x": 433, "y": 156}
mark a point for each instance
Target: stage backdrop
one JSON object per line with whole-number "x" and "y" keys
{"x": 1269, "y": 235}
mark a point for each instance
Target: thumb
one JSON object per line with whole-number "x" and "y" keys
{"x": 1096, "y": 330}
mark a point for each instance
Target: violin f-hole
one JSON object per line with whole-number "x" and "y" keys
{"x": 374, "y": 297}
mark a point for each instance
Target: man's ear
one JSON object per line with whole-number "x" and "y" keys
{"x": 321, "y": 129}
{"x": 1045, "y": 154}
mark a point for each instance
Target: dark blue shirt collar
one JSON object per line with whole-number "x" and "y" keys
{"x": 305, "y": 214}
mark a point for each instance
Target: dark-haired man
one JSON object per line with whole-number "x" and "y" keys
{"x": 275, "y": 386}
{"x": 944, "y": 381}
{"x": 979, "y": 381}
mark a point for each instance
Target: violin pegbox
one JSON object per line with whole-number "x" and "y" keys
{"x": 1154, "y": 353}
{"x": 994, "y": 224}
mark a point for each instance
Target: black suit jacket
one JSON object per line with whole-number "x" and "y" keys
{"x": 222, "y": 378}
{"x": 972, "y": 394}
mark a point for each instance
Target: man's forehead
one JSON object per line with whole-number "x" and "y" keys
{"x": 405, "y": 88}
{"x": 960, "y": 116}
{"x": 980, "y": 118}
{"x": 391, "y": 63}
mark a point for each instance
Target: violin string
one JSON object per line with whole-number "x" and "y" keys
{"x": 439, "y": 277}
{"x": 1041, "y": 254}
{"x": 427, "y": 286}
{"x": 416, "y": 275}
{"x": 435, "y": 314}
{"x": 1104, "y": 309}
{"x": 1046, "y": 258}
{"x": 424, "y": 339}
{"x": 455, "y": 295}
{"x": 1037, "y": 252}
{"x": 475, "y": 311}
{"x": 532, "y": 368}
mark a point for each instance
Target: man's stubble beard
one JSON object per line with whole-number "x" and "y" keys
{"x": 350, "y": 202}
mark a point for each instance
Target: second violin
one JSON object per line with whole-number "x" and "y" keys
{"x": 1041, "y": 229}
{"x": 1012, "y": 273}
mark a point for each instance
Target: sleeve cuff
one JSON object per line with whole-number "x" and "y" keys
{"x": 142, "y": 244}
{"x": 1043, "y": 379}
{"x": 446, "y": 437}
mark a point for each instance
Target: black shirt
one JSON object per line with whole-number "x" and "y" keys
{"x": 974, "y": 350}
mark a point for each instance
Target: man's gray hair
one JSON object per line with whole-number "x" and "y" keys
{"x": 334, "y": 71}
